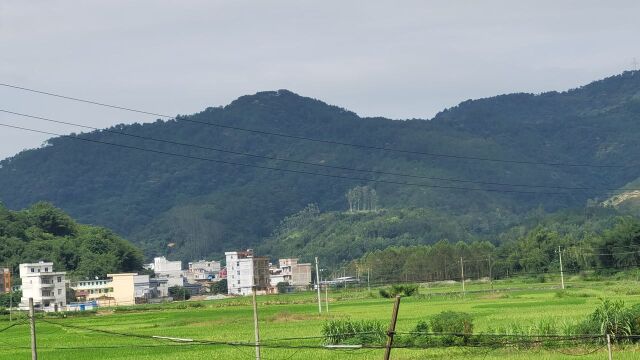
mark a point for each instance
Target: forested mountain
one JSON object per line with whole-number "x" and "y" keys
{"x": 43, "y": 232}
{"x": 193, "y": 208}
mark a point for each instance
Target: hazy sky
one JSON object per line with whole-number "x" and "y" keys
{"x": 399, "y": 59}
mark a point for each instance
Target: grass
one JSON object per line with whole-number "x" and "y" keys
{"x": 526, "y": 305}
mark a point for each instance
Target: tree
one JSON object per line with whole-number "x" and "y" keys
{"x": 219, "y": 287}
{"x": 179, "y": 293}
{"x": 7, "y": 298}
{"x": 283, "y": 287}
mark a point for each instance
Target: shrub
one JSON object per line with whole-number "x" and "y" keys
{"x": 283, "y": 287}
{"x": 179, "y": 293}
{"x": 353, "y": 332}
{"x": 219, "y": 287}
{"x": 384, "y": 293}
{"x": 613, "y": 318}
{"x": 456, "y": 327}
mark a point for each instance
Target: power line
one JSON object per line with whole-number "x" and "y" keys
{"x": 305, "y": 138}
{"x": 306, "y": 162}
{"x": 161, "y": 152}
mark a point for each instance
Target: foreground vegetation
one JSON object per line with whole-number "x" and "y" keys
{"x": 528, "y": 308}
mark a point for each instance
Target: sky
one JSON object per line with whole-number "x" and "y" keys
{"x": 397, "y": 59}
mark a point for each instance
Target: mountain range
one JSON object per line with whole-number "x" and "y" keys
{"x": 470, "y": 172}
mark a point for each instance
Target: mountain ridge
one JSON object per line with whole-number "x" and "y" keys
{"x": 207, "y": 207}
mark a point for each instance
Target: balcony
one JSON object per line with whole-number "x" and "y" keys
{"x": 48, "y": 296}
{"x": 47, "y": 285}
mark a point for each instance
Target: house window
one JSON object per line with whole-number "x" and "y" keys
{"x": 46, "y": 269}
{"x": 238, "y": 272}
{"x": 59, "y": 291}
{"x": 59, "y": 278}
{"x": 238, "y": 282}
{"x": 33, "y": 270}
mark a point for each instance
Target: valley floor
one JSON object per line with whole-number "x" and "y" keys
{"x": 291, "y": 328}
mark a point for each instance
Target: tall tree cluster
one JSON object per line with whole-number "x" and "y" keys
{"x": 362, "y": 198}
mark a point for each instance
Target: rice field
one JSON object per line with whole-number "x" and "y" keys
{"x": 125, "y": 333}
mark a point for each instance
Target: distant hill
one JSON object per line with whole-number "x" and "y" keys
{"x": 190, "y": 208}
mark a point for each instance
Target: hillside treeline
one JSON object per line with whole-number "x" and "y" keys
{"x": 535, "y": 253}
{"x": 43, "y": 232}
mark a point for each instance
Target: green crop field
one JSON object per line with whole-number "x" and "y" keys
{"x": 527, "y": 305}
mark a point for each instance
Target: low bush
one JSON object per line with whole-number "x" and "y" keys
{"x": 447, "y": 328}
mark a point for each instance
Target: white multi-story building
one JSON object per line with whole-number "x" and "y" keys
{"x": 46, "y": 287}
{"x": 245, "y": 271}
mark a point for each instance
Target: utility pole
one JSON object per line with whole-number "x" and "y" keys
{"x": 368, "y": 284}
{"x": 255, "y": 323}
{"x": 326, "y": 297}
{"x": 462, "y": 273}
{"x": 318, "y": 286}
{"x": 392, "y": 328}
{"x": 561, "y": 272}
{"x": 32, "y": 322}
{"x": 10, "y": 298}
{"x": 490, "y": 277}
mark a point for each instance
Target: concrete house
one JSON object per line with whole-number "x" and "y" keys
{"x": 129, "y": 288}
{"x": 203, "y": 270}
{"x": 170, "y": 270}
{"x": 297, "y": 275}
{"x": 46, "y": 287}
{"x": 89, "y": 290}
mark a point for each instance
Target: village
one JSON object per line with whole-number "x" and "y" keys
{"x": 52, "y": 291}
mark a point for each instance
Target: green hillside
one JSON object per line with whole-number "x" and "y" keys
{"x": 192, "y": 208}
{"x": 43, "y": 232}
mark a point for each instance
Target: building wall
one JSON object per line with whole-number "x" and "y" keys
{"x": 123, "y": 288}
{"x": 301, "y": 275}
{"x": 5, "y": 281}
{"x": 298, "y": 274}
{"x": 161, "y": 264}
{"x": 141, "y": 286}
{"x": 93, "y": 289}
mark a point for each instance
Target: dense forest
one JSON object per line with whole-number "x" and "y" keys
{"x": 584, "y": 249}
{"x": 43, "y": 232}
{"x": 415, "y": 245}
{"x": 522, "y": 160}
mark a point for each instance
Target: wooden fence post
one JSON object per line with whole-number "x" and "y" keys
{"x": 392, "y": 328}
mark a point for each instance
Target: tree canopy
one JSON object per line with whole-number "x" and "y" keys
{"x": 43, "y": 232}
